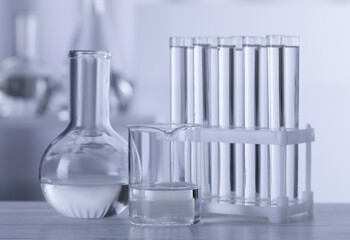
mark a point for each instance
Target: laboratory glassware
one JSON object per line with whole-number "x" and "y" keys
{"x": 238, "y": 120}
{"x": 244, "y": 92}
{"x": 213, "y": 115}
{"x": 290, "y": 109}
{"x": 164, "y": 184}
{"x": 26, "y": 85}
{"x": 182, "y": 89}
{"x": 189, "y": 90}
{"x": 263, "y": 123}
{"x": 84, "y": 171}
{"x": 201, "y": 76}
{"x": 251, "y": 50}
{"x": 275, "y": 81}
{"x": 94, "y": 32}
{"x": 283, "y": 81}
{"x": 226, "y": 79}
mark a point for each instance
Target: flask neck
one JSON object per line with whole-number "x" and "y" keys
{"x": 89, "y": 77}
{"x": 25, "y": 36}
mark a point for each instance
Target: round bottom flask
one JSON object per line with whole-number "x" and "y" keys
{"x": 84, "y": 171}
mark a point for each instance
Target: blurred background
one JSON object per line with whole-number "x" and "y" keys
{"x": 37, "y": 34}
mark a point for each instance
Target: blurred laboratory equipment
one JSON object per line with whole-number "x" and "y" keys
{"x": 244, "y": 92}
{"x": 95, "y": 32}
{"x": 84, "y": 171}
{"x": 26, "y": 85}
{"x": 164, "y": 179}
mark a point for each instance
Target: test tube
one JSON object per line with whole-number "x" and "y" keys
{"x": 201, "y": 80}
{"x": 190, "y": 155}
{"x": 226, "y": 80}
{"x": 189, "y": 80}
{"x": 291, "y": 109}
{"x": 182, "y": 100}
{"x": 238, "y": 120}
{"x": 178, "y": 67}
{"x": 214, "y": 114}
{"x": 275, "y": 81}
{"x": 201, "y": 104}
{"x": 264, "y": 185}
{"x": 251, "y": 48}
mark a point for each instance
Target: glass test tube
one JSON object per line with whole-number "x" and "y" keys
{"x": 291, "y": 109}
{"x": 238, "y": 119}
{"x": 178, "y": 67}
{"x": 201, "y": 81}
{"x": 226, "y": 80}
{"x": 251, "y": 48}
{"x": 201, "y": 104}
{"x": 275, "y": 79}
{"x": 264, "y": 184}
{"x": 182, "y": 99}
{"x": 190, "y": 159}
{"x": 214, "y": 114}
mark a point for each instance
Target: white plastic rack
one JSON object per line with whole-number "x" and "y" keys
{"x": 282, "y": 211}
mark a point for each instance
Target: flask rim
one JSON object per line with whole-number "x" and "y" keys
{"x": 82, "y": 53}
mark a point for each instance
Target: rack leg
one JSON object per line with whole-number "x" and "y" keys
{"x": 281, "y": 214}
{"x": 308, "y": 198}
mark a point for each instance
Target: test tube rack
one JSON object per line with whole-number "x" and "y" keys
{"x": 282, "y": 212}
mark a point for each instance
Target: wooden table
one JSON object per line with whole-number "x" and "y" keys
{"x": 37, "y": 220}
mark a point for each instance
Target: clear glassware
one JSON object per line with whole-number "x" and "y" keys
{"x": 238, "y": 119}
{"x": 226, "y": 54}
{"x": 84, "y": 171}
{"x": 275, "y": 83}
{"x": 26, "y": 85}
{"x": 164, "y": 183}
{"x": 291, "y": 109}
{"x": 263, "y": 120}
{"x": 95, "y": 32}
{"x": 182, "y": 83}
{"x": 213, "y": 112}
{"x": 251, "y": 51}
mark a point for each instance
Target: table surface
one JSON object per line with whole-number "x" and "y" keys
{"x": 37, "y": 220}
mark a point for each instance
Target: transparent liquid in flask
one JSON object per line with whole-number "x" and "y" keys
{"x": 84, "y": 198}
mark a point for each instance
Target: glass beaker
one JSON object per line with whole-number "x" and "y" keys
{"x": 84, "y": 171}
{"x": 26, "y": 85}
{"x": 164, "y": 182}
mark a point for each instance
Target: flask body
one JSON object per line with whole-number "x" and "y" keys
{"x": 84, "y": 171}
